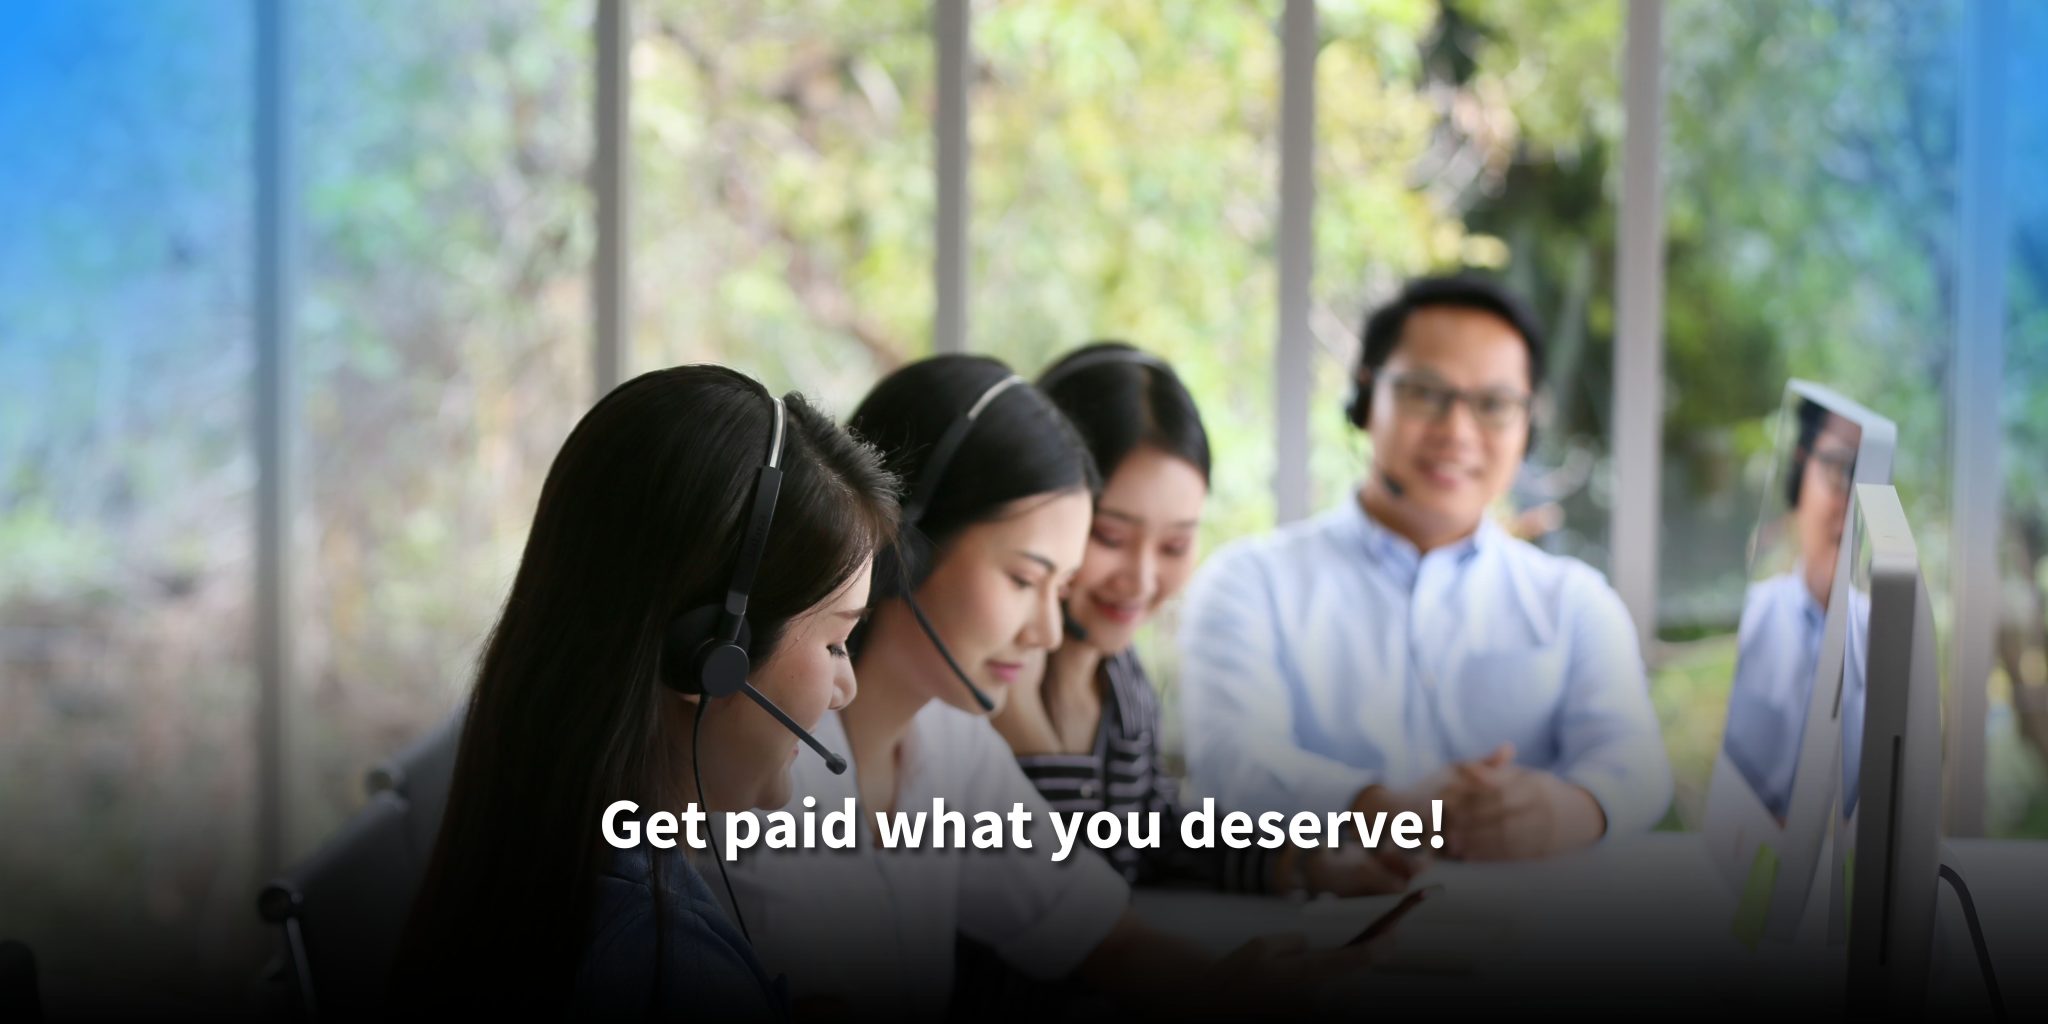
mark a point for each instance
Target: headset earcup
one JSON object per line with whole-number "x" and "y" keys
{"x": 888, "y": 572}
{"x": 693, "y": 662}
{"x": 1358, "y": 411}
{"x": 916, "y": 562}
{"x": 679, "y": 648}
{"x": 902, "y": 567}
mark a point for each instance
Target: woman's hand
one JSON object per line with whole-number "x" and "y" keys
{"x": 1023, "y": 720}
{"x": 1357, "y": 871}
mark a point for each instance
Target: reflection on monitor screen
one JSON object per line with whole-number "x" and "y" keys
{"x": 1855, "y": 660}
{"x": 1793, "y": 557}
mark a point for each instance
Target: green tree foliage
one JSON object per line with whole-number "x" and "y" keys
{"x": 443, "y": 334}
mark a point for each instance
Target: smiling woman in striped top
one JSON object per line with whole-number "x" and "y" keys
{"x": 1086, "y": 730}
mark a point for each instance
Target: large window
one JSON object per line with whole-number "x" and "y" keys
{"x": 782, "y": 189}
{"x": 1123, "y": 186}
{"x": 443, "y": 337}
{"x": 2017, "y": 790}
{"x": 126, "y": 693}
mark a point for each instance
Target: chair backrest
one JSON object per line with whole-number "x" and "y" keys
{"x": 422, "y": 774}
{"x": 343, "y": 910}
{"x": 19, "y": 999}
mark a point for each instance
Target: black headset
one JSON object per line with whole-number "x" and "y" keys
{"x": 705, "y": 651}
{"x": 1812, "y": 417}
{"x": 912, "y": 558}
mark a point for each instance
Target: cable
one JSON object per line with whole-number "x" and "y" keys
{"x": 987, "y": 703}
{"x": 1955, "y": 881}
{"x": 696, "y": 742}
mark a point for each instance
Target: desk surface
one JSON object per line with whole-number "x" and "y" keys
{"x": 1642, "y": 923}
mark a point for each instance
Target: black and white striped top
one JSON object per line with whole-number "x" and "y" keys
{"x": 1122, "y": 774}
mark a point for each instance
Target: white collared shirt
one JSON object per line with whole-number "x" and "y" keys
{"x": 877, "y": 927}
{"x": 1330, "y": 655}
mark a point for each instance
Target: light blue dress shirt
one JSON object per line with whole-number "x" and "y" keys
{"x": 1778, "y": 650}
{"x": 1330, "y": 655}
{"x": 1777, "y": 646}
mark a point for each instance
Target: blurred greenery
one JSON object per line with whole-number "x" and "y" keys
{"x": 443, "y": 326}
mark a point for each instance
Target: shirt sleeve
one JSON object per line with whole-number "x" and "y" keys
{"x": 1041, "y": 917}
{"x": 1240, "y": 694}
{"x": 1609, "y": 742}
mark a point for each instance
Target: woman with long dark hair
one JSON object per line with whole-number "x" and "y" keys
{"x": 999, "y": 493}
{"x": 1086, "y": 729}
{"x": 607, "y": 679}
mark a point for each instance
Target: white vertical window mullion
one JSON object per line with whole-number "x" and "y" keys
{"x": 1293, "y": 372}
{"x": 949, "y": 259}
{"x": 611, "y": 281}
{"x": 1973, "y": 399}
{"x": 1638, "y": 421}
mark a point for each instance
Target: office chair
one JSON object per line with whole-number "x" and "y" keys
{"x": 19, "y": 998}
{"x": 342, "y": 911}
{"x": 422, "y": 773}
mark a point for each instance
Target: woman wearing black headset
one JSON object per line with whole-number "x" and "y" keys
{"x": 996, "y": 521}
{"x": 622, "y": 669}
{"x": 1086, "y": 729}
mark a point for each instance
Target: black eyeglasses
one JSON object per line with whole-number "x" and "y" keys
{"x": 1837, "y": 467}
{"x": 1497, "y": 410}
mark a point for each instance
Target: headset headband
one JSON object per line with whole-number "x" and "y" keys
{"x": 767, "y": 485}
{"x": 1102, "y": 357}
{"x": 949, "y": 444}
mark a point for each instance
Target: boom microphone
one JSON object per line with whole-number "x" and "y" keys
{"x": 983, "y": 699}
{"x": 1073, "y": 625}
{"x": 833, "y": 761}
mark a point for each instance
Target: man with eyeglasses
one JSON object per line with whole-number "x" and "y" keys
{"x": 1778, "y": 640}
{"x": 1403, "y": 647}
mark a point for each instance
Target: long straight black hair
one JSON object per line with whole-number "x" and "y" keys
{"x": 1020, "y": 447}
{"x": 639, "y": 521}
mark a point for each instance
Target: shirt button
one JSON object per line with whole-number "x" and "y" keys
{"x": 1088, "y": 790}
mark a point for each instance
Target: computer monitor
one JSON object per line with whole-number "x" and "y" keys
{"x": 1887, "y": 849}
{"x": 1771, "y": 798}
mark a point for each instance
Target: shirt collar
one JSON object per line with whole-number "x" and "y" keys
{"x": 1395, "y": 551}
